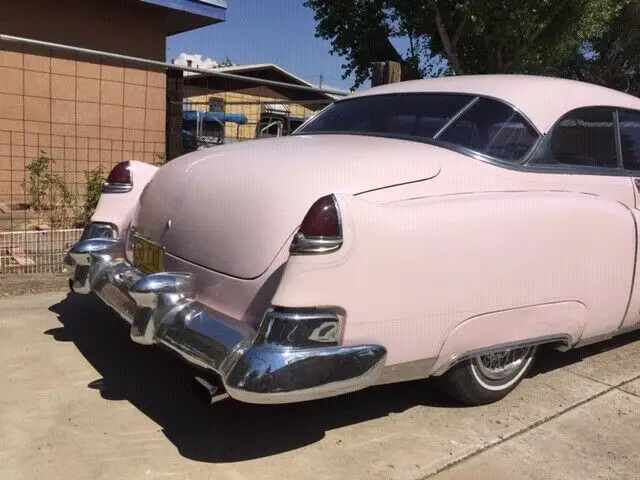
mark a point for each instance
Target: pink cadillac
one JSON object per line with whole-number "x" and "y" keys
{"x": 444, "y": 227}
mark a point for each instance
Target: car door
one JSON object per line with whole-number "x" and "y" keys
{"x": 585, "y": 143}
{"x": 629, "y": 146}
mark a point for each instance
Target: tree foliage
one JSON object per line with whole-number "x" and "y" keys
{"x": 463, "y": 36}
{"x": 612, "y": 59}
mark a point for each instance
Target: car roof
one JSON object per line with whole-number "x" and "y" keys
{"x": 542, "y": 99}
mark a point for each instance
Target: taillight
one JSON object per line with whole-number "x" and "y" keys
{"x": 320, "y": 230}
{"x": 120, "y": 179}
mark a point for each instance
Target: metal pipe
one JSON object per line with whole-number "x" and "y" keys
{"x": 156, "y": 63}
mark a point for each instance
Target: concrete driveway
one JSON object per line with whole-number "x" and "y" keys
{"x": 79, "y": 400}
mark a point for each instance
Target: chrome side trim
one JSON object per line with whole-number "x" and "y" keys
{"x": 455, "y": 359}
{"x": 607, "y": 336}
{"x": 406, "y": 372}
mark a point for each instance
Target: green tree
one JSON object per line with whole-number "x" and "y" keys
{"x": 460, "y": 36}
{"x": 227, "y": 63}
{"x": 613, "y": 59}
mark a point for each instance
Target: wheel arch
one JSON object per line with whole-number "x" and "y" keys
{"x": 559, "y": 323}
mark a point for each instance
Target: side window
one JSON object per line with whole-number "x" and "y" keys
{"x": 630, "y": 139}
{"x": 492, "y": 128}
{"x": 585, "y": 137}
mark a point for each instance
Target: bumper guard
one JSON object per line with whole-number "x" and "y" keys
{"x": 162, "y": 310}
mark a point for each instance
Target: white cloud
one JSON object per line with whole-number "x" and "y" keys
{"x": 196, "y": 61}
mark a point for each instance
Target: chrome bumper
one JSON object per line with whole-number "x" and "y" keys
{"x": 161, "y": 309}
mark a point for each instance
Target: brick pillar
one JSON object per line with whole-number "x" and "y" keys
{"x": 174, "y": 113}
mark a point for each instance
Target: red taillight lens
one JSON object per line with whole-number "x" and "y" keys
{"x": 121, "y": 173}
{"x": 320, "y": 230}
{"x": 322, "y": 219}
{"x": 120, "y": 179}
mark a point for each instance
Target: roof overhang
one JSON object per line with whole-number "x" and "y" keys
{"x": 184, "y": 15}
{"x": 202, "y": 84}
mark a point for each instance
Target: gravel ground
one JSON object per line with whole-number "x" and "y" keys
{"x": 29, "y": 283}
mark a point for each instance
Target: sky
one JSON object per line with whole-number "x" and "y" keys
{"x": 272, "y": 31}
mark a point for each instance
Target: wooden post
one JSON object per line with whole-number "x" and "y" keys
{"x": 174, "y": 121}
{"x": 377, "y": 76}
{"x": 393, "y": 72}
{"x": 386, "y": 72}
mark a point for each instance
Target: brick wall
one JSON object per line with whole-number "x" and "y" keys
{"x": 83, "y": 112}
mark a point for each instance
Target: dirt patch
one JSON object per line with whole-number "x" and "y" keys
{"x": 27, "y": 283}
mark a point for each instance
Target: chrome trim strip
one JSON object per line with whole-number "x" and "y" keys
{"x": 116, "y": 187}
{"x": 406, "y": 372}
{"x": 303, "y": 245}
{"x": 453, "y": 119}
{"x": 457, "y": 358}
{"x": 607, "y": 336}
{"x": 618, "y": 138}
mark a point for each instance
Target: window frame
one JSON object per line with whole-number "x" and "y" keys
{"x": 630, "y": 171}
{"x": 473, "y": 99}
{"x": 544, "y": 149}
{"x": 539, "y": 148}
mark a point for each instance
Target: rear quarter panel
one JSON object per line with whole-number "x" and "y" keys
{"x": 409, "y": 275}
{"x": 118, "y": 208}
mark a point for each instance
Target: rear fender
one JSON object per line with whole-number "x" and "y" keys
{"x": 408, "y": 275}
{"x": 118, "y": 208}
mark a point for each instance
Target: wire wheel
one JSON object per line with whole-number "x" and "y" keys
{"x": 500, "y": 370}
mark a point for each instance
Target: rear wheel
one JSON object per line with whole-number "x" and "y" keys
{"x": 489, "y": 377}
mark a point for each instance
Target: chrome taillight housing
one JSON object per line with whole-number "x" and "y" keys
{"x": 321, "y": 229}
{"x": 120, "y": 179}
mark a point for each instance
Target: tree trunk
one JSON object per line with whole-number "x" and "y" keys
{"x": 449, "y": 47}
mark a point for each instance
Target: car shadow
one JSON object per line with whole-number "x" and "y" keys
{"x": 550, "y": 359}
{"x": 159, "y": 384}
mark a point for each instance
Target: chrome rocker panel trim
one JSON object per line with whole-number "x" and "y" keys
{"x": 161, "y": 310}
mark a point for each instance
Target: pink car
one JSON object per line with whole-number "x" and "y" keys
{"x": 435, "y": 228}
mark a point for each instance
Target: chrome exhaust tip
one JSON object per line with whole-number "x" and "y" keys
{"x": 207, "y": 392}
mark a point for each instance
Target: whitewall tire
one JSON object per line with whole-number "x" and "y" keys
{"x": 488, "y": 378}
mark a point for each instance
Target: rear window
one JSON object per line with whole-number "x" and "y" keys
{"x": 492, "y": 128}
{"x": 486, "y": 126}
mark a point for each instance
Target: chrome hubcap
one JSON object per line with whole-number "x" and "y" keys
{"x": 503, "y": 364}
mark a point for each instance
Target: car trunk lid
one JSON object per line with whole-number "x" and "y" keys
{"x": 232, "y": 208}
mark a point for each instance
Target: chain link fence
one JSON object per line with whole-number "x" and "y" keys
{"x": 48, "y": 192}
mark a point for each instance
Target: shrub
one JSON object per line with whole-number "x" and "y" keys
{"x": 95, "y": 180}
